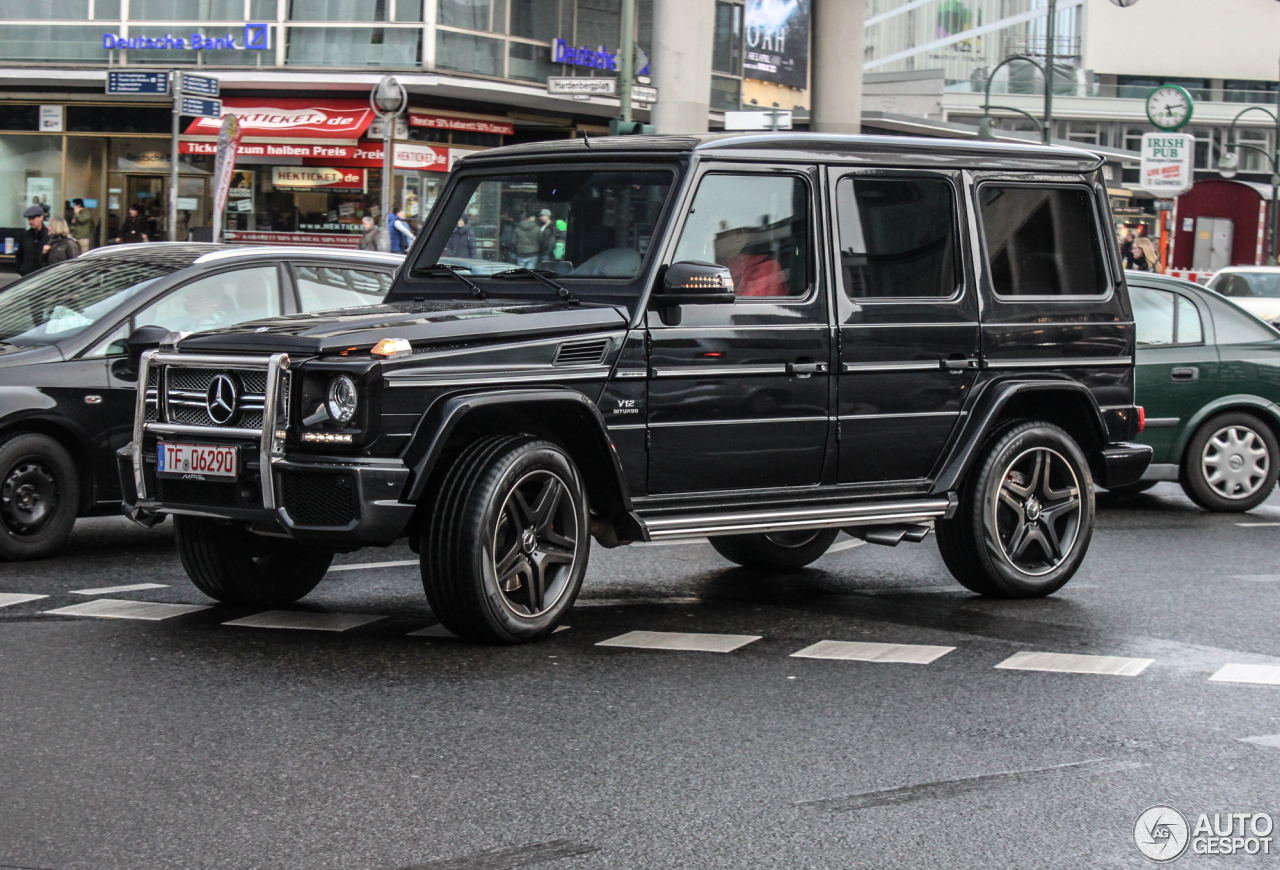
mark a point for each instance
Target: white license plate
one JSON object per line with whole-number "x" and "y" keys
{"x": 197, "y": 461}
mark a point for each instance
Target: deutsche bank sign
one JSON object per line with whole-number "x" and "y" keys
{"x": 257, "y": 37}
{"x": 595, "y": 58}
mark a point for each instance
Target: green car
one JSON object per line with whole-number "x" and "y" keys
{"x": 1208, "y": 376}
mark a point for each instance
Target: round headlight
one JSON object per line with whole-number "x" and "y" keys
{"x": 342, "y": 398}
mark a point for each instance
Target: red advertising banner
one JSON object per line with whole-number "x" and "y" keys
{"x": 468, "y": 125}
{"x": 409, "y": 155}
{"x": 317, "y": 178}
{"x": 290, "y": 118}
{"x": 321, "y": 240}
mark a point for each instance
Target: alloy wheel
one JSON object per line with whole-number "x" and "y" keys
{"x": 1036, "y": 511}
{"x": 28, "y": 498}
{"x": 1235, "y": 462}
{"x": 535, "y": 543}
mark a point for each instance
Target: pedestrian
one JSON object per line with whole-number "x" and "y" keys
{"x": 33, "y": 242}
{"x": 401, "y": 236}
{"x": 81, "y": 224}
{"x": 1143, "y": 257}
{"x": 528, "y": 242}
{"x": 182, "y": 229}
{"x": 547, "y": 225}
{"x": 134, "y": 228}
{"x": 462, "y": 241}
{"x": 1125, "y": 239}
{"x": 368, "y": 234}
{"x": 61, "y": 246}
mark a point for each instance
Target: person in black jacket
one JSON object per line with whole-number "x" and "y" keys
{"x": 134, "y": 228}
{"x": 462, "y": 242}
{"x": 32, "y": 242}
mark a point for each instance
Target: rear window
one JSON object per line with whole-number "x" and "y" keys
{"x": 897, "y": 237}
{"x": 1042, "y": 241}
{"x": 1244, "y": 285}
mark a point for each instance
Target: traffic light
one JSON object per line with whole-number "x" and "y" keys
{"x": 618, "y": 127}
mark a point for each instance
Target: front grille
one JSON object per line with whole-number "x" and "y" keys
{"x": 187, "y": 394}
{"x": 196, "y": 493}
{"x": 152, "y": 412}
{"x": 577, "y": 353}
{"x": 319, "y": 499}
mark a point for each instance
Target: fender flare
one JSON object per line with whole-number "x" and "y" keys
{"x": 985, "y": 411}
{"x": 37, "y": 413}
{"x": 443, "y": 417}
{"x": 1268, "y": 410}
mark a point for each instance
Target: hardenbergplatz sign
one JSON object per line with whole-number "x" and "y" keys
{"x": 257, "y": 37}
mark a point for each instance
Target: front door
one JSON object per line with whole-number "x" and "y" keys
{"x": 908, "y": 320}
{"x": 738, "y": 392}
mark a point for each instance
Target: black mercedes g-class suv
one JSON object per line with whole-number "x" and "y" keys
{"x": 759, "y": 339}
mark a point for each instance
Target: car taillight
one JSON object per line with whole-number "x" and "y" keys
{"x": 1142, "y": 418}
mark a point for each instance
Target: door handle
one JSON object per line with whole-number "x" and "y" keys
{"x": 1185, "y": 374}
{"x": 955, "y": 365}
{"x": 806, "y": 368}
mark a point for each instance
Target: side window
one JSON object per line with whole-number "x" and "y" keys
{"x": 1190, "y": 329}
{"x": 1153, "y": 314}
{"x": 755, "y": 225}
{"x": 219, "y": 300}
{"x": 1232, "y": 326}
{"x": 897, "y": 237}
{"x": 1042, "y": 241}
{"x": 324, "y": 287}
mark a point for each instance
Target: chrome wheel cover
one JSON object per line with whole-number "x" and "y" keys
{"x": 1235, "y": 462}
{"x": 1035, "y": 511}
{"x": 535, "y": 544}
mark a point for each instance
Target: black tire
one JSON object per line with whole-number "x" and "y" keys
{"x": 1209, "y": 475}
{"x": 39, "y": 497}
{"x": 1133, "y": 488}
{"x": 775, "y": 549}
{"x": 1008, "y": 506}
{"x": 506, "y": 544}
{"x": 230, "y": 564}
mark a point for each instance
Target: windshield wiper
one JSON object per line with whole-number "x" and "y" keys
{"x": 541, "y": 275}
{"x": 455, "y": 271}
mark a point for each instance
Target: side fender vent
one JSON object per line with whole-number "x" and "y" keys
{"x": 581, "y": 353}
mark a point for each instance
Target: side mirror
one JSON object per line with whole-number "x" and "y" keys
{"x": 690, "y": 282}
{"x": 142, "y": 339}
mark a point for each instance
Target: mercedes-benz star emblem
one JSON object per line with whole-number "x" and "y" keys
{"x": 222, "y": 400}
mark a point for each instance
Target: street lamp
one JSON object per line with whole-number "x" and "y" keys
{"x": 1229, "y": 165}
{"x": 387, "y": 99}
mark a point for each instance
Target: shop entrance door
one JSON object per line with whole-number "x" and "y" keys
{"x": 150, "y": 193}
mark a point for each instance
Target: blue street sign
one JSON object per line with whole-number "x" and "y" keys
{"x": 137, "y": 83}
{"x": 200, "y": 85}
{"x": 201, "y": 108}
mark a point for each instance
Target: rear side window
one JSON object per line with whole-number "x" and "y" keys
{"x": 1042, "y": 241}
{"x": 897, "y": 237}
{"x": 1153, "y": 313}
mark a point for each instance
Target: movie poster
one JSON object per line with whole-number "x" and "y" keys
{"x": 777, "y": 42}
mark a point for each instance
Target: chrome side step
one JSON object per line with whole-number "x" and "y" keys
{"x": 666, "y": 528}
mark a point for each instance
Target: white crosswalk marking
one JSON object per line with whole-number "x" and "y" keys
{"x": 1271, "y": 740}
{"x": 401, "y": 563}
{"x": 117, "y": 608}
{"x": 1268, "y": 675}
{"x": 674, "y": 640}
{"x": 108, "y": 590}
{"x": 1066, "y": 663}
{"x": 903, "y": 653}
{"x": 8, "y": 599}
{"x": 304, "y": 621}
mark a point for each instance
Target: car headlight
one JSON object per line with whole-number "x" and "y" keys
{"x": 342, "y": 398}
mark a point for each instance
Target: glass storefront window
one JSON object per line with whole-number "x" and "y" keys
{"x": 466, "y": 53}
{"x": 338, "y": 10}
{"x": 45, "y": 10}
{"x": 725, "y": 52}
{"x": 530, "y": 63}
{"x": 45, "y": 42}
{"x": 408, "y": 10}
{"x": 107, "y": 10}
{"x": 353, "y": 46}
{"x": 259, "y": 10}
{"x": 599, "y": 23}
{"x": 726, "y": 94}
{"x": 471, "y": 14}
{"x": 186, "y": 10}
{"x": 30, "y": 174}
{"x": 535, "y": 19}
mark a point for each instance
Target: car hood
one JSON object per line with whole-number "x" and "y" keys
{"x": 421, "y": 323}
{"x": 12, "y": 355}
{"x": 1259, "y": 306}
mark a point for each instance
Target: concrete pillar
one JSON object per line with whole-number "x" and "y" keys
{"x": 683, "y": 35}
{"x": 836, "y": 90}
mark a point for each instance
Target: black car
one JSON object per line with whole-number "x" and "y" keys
{"x": 761, "y": 339}
{"x": 67, "y": 379}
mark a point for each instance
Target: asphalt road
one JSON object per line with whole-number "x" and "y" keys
{"x": 188, "y": 743}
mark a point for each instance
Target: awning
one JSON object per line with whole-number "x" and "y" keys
{"x": 291, "y": 118}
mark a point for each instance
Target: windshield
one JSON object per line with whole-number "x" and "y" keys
{"x": 573, "y": 223}
{"x": 1246, "y": 284}
{"x": 61, "y": 301}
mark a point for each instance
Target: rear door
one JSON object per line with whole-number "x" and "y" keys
{"x": 907, "y": 314}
